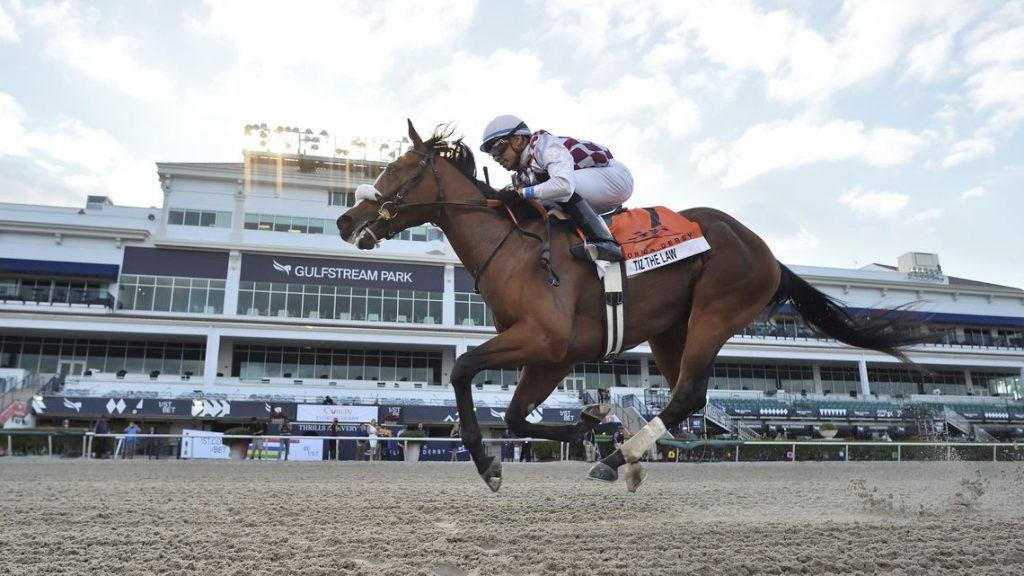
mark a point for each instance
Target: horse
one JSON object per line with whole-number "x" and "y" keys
{"x": 686, "y": 310}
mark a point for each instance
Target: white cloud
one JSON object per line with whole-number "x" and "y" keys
{"x": 111, "y": 60}
{"x": 785, "y": 145}
{"x": 929, "y": 214}
{"x": 866, "y": 203}
{"x": 995, "y": 53}
{"x": 968, "y": 149}
{"x": 801, "y": 239}
{"x": 8, "y": 32}
{"x": 76, "y": 158}
{"x": 709, "y": 157}
{"x": 976, "y": 192}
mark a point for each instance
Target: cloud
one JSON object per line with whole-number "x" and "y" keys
{"x": 995, "y": 53}
{"x": 866, "y": 203}
{"x": 968, "y": 149}
{"x": 785, "y": 145}
{"x": 8, "y": 32}
{"x": 976, "y": 192}
{"x": 69, "y": 159}
{"x": 929, "y": 214}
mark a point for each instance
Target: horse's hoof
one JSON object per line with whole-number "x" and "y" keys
{"x": 635, "y": 475}
{"x": 602, "y": 472}
{"x": 492, "y": 475}
{"x": 596, "y": 411}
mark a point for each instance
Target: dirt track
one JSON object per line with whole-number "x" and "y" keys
{"x": 226, "y": 518}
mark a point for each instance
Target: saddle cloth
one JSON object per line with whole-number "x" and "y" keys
{"x": 654, "y": 237}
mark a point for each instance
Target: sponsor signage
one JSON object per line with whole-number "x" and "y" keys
{"x": 171, "y": 262}
{"x": 328, "y": 412}
{"x": 484, "y": 415}
{"x": 364, "y": 274}
{"x": 464, "y": 281}
{"x": 71, "y": 406}
{"x": 305, "y": 449}
{"x": 203, "y": 444}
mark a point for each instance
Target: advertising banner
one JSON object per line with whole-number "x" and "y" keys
{"x": 306, "y": 449}
{"x": 174, "y": 262}
{"x": 202, "y": 444}
{"x": 363, "y": 274}
{"x": 328, "y": 412}
{"x": 485, "y": 415}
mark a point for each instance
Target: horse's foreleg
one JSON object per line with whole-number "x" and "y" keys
{"x": 535, "y": 385}
{"x": 512, "y": 348}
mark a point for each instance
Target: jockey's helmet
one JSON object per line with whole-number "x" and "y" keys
{"x": 502, "y": 127}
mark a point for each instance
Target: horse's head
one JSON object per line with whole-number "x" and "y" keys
{"x": 405, "y": 194}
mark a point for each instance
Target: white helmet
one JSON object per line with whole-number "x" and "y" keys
{"x": 504, "y": 125}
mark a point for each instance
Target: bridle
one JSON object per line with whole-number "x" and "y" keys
{"x": 391, "y": 204}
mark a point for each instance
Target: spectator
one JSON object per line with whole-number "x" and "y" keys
{"x": 286, "y": 431}
{"x": 152, "y": 444}
{"x": 886, "y": 437}
{"x": 332, "y": 445}
{"x": 101, "y": 427}
{"x": 371, "y": 434}
{"x": 527, "y": 451}
{"x": 507, "y": 449}
{"x": 589, "y": 445}
{"x": 455, "y": 433}
{"x": 130, "y": 435}
{"x": 618, "y": 438}
{"x": 328, "y": 401}
{"x": 256, "y": 431}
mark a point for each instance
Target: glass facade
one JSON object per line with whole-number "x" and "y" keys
{"x": 293, "y": 224}
{"x": 206, "y": 218}
{"x": 907, "y": 381}
{"x": 53, "y": 291}
{"x": 170, "y": 294}
{"x": 762, "y": 377}
{"x": 344, "y": 198}
{"x": 840, "y": 379}
{"x": 999, "y": 383}
{"x": 255, "y": 362}
{"x": 338, "y": 302}
{"x": 43, "y": 355}
{"x": 620, "y": 372}
{"x": 470, "y": 310}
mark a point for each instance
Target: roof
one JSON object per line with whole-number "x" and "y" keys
{"x": 954, "y": 280}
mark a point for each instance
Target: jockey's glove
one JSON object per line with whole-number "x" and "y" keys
{"x": 510, "y": 194}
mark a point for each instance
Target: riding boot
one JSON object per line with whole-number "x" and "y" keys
{"x": 599, "y": 243}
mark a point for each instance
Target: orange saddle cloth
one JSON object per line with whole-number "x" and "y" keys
{"x": 654, "y": 237}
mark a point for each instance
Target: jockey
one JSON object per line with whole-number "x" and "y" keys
{"x": 579, "y": 175}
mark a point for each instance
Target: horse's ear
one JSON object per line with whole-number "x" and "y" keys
{"x": 417, "y": 142}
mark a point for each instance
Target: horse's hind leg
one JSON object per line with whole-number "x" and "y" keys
{"x": 535, "y": 385}
{"x": 667, "y": 349}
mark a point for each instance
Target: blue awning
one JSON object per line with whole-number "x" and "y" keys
{"x": 58, "y": 268}
{"x": 938, "y": 317}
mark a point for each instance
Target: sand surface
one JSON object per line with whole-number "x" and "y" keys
{"x": 289, "y": 518}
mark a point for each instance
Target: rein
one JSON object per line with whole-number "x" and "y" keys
{"x": 388, "y": 214}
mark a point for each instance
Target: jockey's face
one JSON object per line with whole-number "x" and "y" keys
{"x": 506, "y": 152}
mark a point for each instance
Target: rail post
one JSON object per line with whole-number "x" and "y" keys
{"x": 994, "y": 447}
{"x": 846, "y": 452}
{"x": 949, "y": 453}
{"x": 899, "y": 452}
{"x": 10, "y": 446}
{"x": 737, "y": 453}
{"x": 83, "y": 446}
{"x": 794, "y": 452}
{"x": 49, "y": 444}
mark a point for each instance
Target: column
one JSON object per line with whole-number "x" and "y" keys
{"x": 238, "y": 214}
{"x": 448, "y": 299}
{"x": 968, "y": 381}
{"x": 225, "y": 356}
{"x": 865, "y": 386}
{"x": 645, "y": 372}
{"x": 816, "y": 373}
{"x": 210, "y": 362}
{"x": 447, "y": 363}
{"x": 231, "y": 283}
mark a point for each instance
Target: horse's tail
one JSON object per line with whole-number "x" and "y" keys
{"x": 881, "y": 330}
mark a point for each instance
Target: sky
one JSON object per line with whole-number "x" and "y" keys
{"x": 844, "y": 133}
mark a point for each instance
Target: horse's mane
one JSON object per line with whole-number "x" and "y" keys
{"x": 458, "y": 154}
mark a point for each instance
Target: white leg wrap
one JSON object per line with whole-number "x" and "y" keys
{"x": 635, "y": 448}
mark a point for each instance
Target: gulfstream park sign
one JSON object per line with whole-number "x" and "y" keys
{"x": 262, "y": 268}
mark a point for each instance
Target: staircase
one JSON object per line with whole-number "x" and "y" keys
{"x": 957, "y": 421}
{"x": 717, "y": 415}
{"x": 982, "y": 435}
{"x": 628, "y": 409}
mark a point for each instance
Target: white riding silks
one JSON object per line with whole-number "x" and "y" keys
{"x": 635, "y": 448}
{"x": 367, "y": 192}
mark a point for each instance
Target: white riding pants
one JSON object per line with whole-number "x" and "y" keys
{"x": 604, "y": 188}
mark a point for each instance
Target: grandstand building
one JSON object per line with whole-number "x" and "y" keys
{"x": 238, "y": 290}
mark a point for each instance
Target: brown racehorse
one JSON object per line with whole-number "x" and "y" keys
{"x": 686, "y": 310}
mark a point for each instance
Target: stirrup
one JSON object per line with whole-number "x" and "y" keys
{"x": 594, "y": 251}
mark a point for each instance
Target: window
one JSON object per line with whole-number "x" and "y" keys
{"x": 344, "y": 198}
{"x": 140, "y": 357}
{"x": 170, "y": 294}
{"x": 206, "y": 218}
{"x": 471, "y": 310}
{"x": 339, "y": 303}
{"x": 254, "y": 362}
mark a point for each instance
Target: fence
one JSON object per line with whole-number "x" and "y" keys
{"x": 725, "y": 450}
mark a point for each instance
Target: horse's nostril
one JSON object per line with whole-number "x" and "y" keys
{"x": 344, "y": 222}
